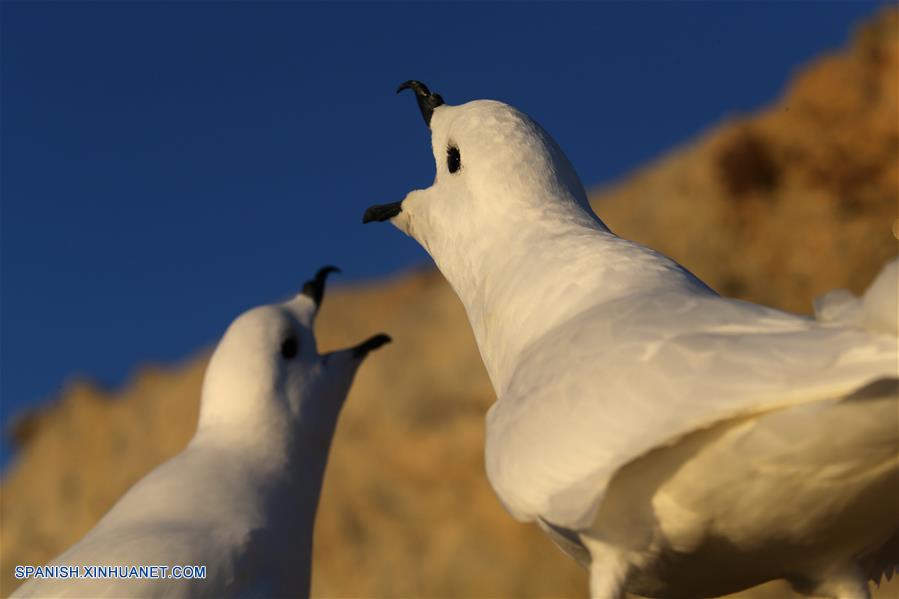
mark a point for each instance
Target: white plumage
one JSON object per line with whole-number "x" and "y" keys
{"x": 677, "y": 442}
{"x": 241, "y": 498}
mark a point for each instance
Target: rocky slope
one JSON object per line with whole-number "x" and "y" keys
{"x": 774, "y": 207}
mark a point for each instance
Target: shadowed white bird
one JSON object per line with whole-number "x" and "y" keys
{"x": 677, "y": 443}
{"x": 241, "y": 498}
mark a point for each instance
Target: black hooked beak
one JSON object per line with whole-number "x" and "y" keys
{"x": 315, "y": 288}
{"x": 361, "y": 350}
{"x": 382, "y": 212}
{"x": 427, "y": 101}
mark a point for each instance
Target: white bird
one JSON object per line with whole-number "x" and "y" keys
{"x": 241, "y": 498}
{"x": 677, "y": 443}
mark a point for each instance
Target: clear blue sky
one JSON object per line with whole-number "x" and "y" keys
{"x": 165, "y": 166}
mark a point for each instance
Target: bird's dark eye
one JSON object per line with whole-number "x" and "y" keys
{"x": 453, "y": 159}
{"x": 289, "y": 347}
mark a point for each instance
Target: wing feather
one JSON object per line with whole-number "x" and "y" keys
{"x": 626, "y": 377}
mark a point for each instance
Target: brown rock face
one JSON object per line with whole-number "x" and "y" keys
{"x": 775, "y": 208}
{"x": 785, "y": 205}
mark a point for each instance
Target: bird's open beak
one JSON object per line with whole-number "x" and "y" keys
{"x": 361, "y": 350}
{"x": 427, "y": 102}
{"x": 382, "y": 212}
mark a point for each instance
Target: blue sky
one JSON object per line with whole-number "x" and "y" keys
{"x": 164, "y": 166}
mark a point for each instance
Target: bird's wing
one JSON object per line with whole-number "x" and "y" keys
{"x": 884, "y": 563}
{"x": 629, "y": 376}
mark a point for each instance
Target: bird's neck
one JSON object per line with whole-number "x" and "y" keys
{"x": 521, "y": 279}
{"x": 276, "y": 444}
{"x": 279, "y": 476}
{"x": 273, "y": 481}
{"x": 294, "y": 513}
{"x": 285, "y": 459}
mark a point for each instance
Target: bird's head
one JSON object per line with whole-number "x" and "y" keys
{"x": 495, "y": 166}
{"x": 267, "y": 369}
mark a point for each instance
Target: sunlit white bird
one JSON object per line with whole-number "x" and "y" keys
{"x": 241, "y": 498}
{"x": 677, "y": 443}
